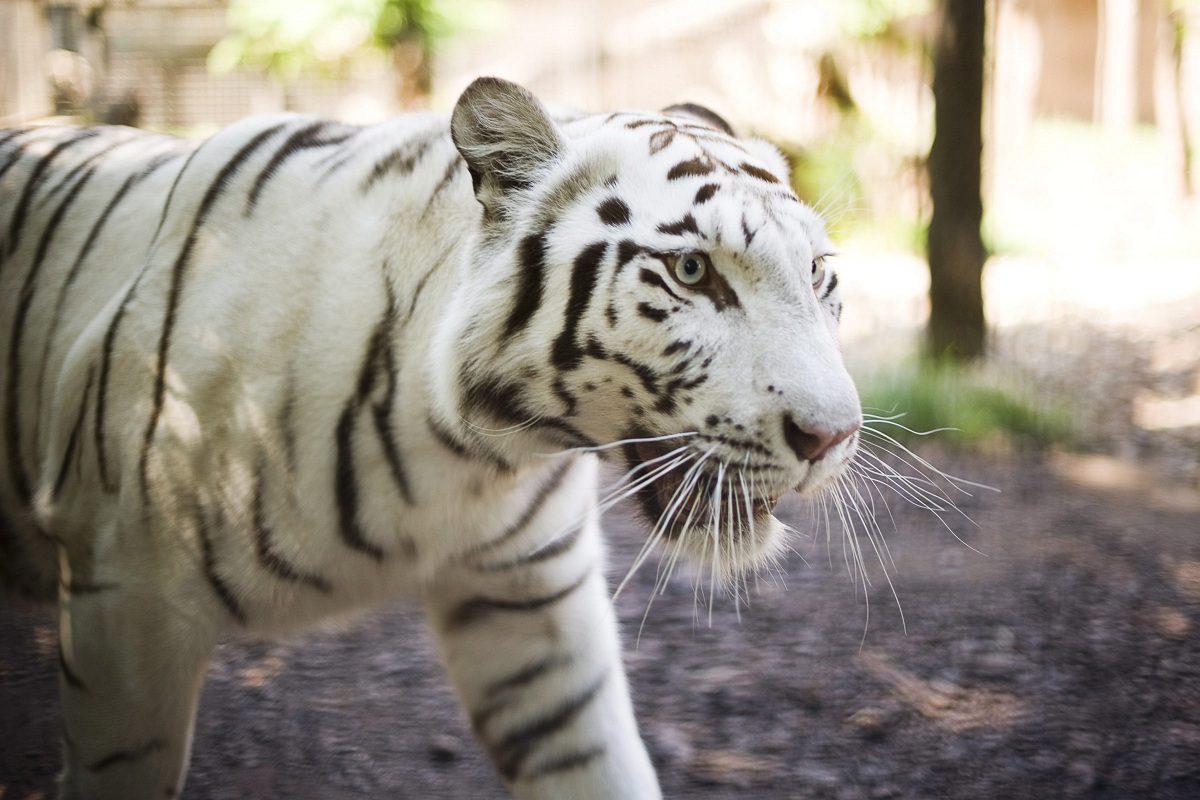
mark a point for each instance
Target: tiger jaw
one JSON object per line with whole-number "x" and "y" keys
{"x": 696, "y": 504}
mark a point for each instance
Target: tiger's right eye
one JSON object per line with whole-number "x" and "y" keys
{"x": 691, "y": 269}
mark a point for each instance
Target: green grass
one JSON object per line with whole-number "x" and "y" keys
{"x": 965, "y": 406}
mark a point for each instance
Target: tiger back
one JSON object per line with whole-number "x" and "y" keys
{"x": 300, "y": 367}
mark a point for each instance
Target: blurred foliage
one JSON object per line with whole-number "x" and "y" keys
{"x": 863, "y": 19}
{"x": 964, "y": 406}
{"x": 864, "y": 173}
{"x": 824, "y": 176}
{"x": 288, "y": 38}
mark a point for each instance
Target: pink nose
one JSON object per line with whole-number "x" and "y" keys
{"x": 814, "y": 442}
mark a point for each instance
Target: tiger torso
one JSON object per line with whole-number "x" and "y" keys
{"x": 300, "y": 367}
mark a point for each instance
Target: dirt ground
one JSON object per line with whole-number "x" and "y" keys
{"x": 1061, "y": 660}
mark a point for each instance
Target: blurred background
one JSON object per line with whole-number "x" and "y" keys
{"x": 1080, "y": 291}
{"x": 1014, "y": 191}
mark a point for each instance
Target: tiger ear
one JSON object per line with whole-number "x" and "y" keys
{"x": 504, "y": 134}
{"x": 705, "y": 116}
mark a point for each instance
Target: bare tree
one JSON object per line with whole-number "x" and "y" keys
{"x": 957, "y": 328}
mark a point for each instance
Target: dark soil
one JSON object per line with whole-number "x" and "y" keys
{"x": 1062, "y": 662}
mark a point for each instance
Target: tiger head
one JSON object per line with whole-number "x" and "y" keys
{"x": 648, "y": 285}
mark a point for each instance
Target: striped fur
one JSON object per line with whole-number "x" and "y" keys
{"x": 300, "y": 367}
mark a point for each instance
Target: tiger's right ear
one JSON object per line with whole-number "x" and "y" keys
{"x": 505, "y": 136}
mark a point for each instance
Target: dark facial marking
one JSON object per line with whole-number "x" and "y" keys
{"x": 705, "y": 193}
{"x": 613, "y": 211}
{"x": 691, "y": 167}
{"x": 758, "y": 172}
{"x": 649, "y": 276}
{"x": 661, "y": 140}
{"x": 650, "y": 312}
{"x": 680, "y": 227}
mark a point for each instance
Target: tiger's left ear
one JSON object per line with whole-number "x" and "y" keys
{"x": 505, "y": 136}
{"x": 772, "y": 157}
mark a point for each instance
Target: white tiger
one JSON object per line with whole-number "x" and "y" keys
{"x": 301, "y": 367}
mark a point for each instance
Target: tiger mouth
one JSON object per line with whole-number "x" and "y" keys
{"x": 679, "y": 499}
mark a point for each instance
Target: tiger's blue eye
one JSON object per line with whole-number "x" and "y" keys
{"x": 818, "y": 270}
{"x": 691, "y": 268}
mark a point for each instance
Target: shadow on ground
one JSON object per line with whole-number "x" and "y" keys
{"x": 1061, "y": 660}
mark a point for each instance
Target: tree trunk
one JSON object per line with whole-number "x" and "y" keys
{"x": 957, "y": 328}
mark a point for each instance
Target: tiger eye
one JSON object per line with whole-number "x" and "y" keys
{"x": 691, "y": 268}
{"x": 818, "y": 270}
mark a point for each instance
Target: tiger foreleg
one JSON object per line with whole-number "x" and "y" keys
{"x": 132, "y": 664}
{"x": 531, "y": 646}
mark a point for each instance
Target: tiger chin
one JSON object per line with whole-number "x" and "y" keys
{"x": 289, "y": 372}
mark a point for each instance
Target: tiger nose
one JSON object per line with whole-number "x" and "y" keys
{"x": 812, "y": 443}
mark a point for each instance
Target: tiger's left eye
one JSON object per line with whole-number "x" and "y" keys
{"x": 691, "y": 269}
{"x": 818, "y": 270}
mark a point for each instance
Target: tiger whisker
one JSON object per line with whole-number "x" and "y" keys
{"x": 511, "y": 429}
{"x": 686, "y": 485}
{"x": 598, "y": 448}
{"x": 954, "y": 481}
{"x": 660, "y": 528}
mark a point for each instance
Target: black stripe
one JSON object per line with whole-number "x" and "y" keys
{"x": 15, "y": 157}
{"x": 651, "y": 313}
{"x": 531, "y": 256}
{"x": 645, "y": 374}
{"x": 535, "y": 505}
{"x": 505, "y": 692}
{"x": 511, "y": 752}
{"x": 452, "y": 169}
{"x": 526, "y": 675}
{"x": 570, "y": 761}
{"x": 72, "y": 679}
{"x": 497, "y": 397}
{"x": 652, "y": 278}
{"x": 346, "y": 486}
{"x": 83, "y": 164}
{"x": 661, "y": 140}
{"x": 379, "y": 356}
{"x": 758, "y": 172}
{"x": 77, "y": 264}
{"x": 31, "y": 186}
{"x": 209, "y": 557}
{"x": 705, "y": 193}
{"x": 73, "y": 440}
{"x": 480, "y": 608}
{"x": 308, "y": 137}
{"x": 566, "y": 353}
{"x": 614, "y": 211}
{"x": 11, "y": 133}
{"x": 401, "y": 161}
{"x": 747, "y": 234}
{"x": 690, "y": 168}
{"x": 556, "y": 548}
{"x": 685, "y": 225}
{"x": 833, "y": 282}
{"x": 268, "y": 556}
{"x": 449, "y": 441}
{"x": 127, "y": 756}
{"x": 12, "y": 417}
{"x": 381, "y": 411}
{"x": 504, "y": 401}
{"x": 626, "y": 251}
{"x": 677, "y": 346}
{"x": 110, "y": 336}
{"x": 178, "y": 275}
